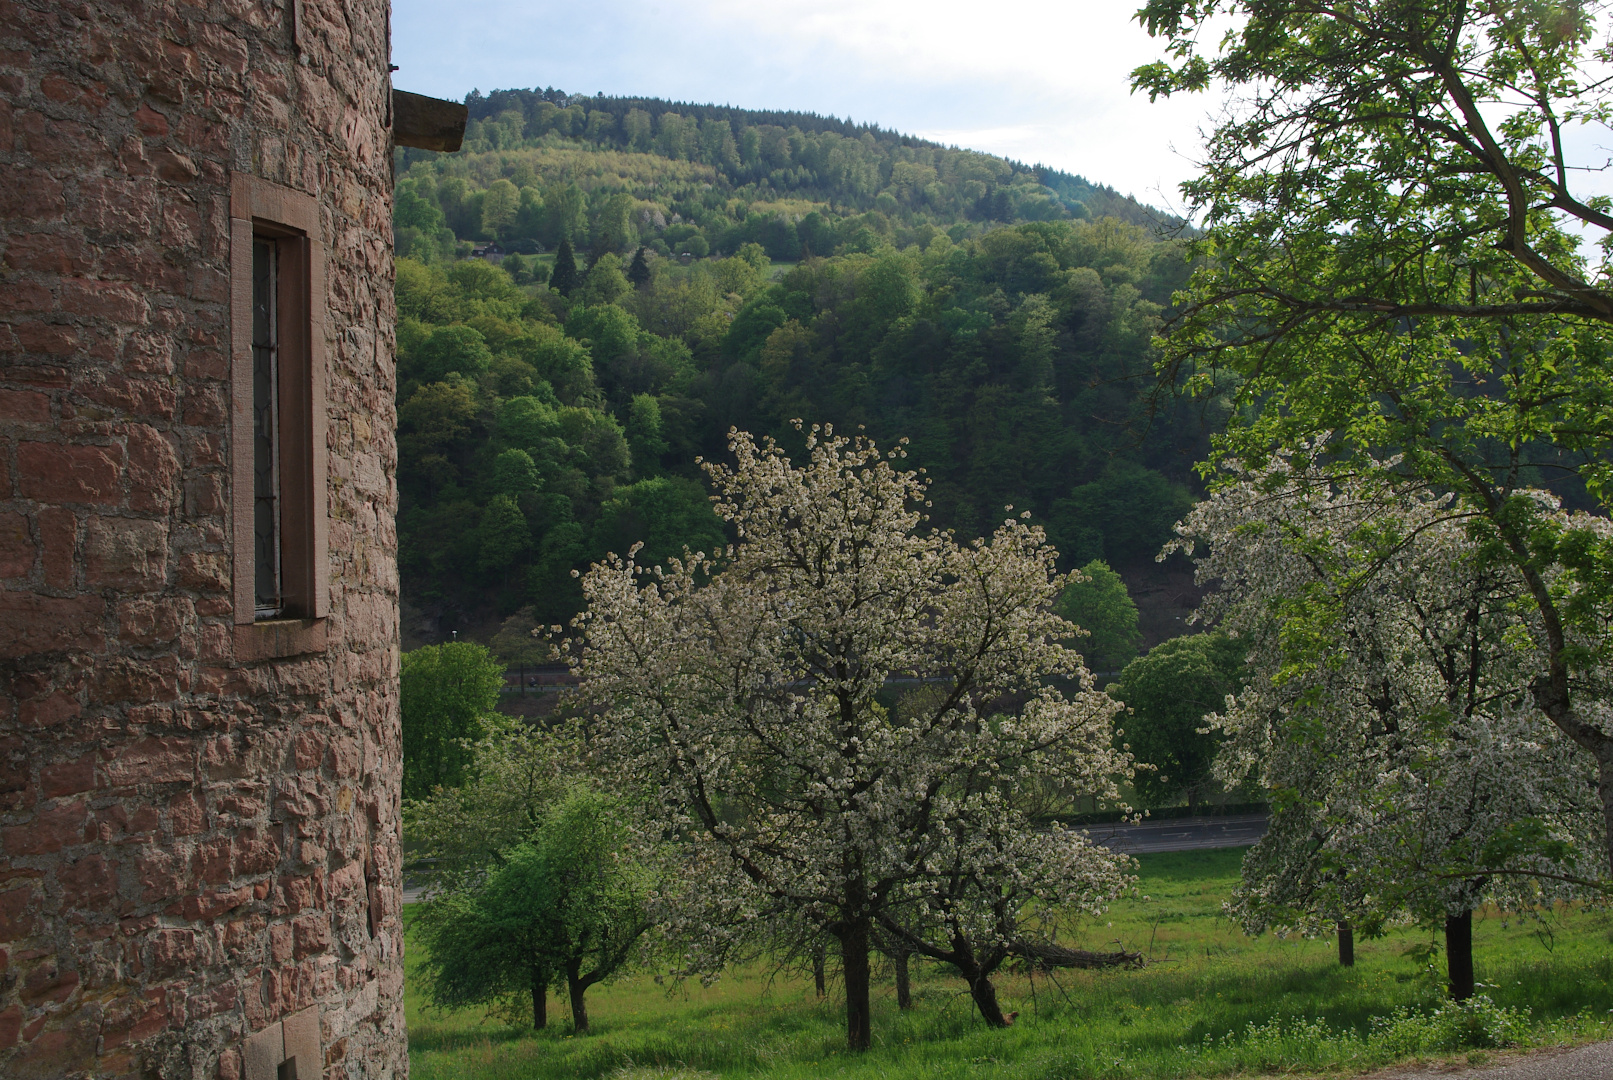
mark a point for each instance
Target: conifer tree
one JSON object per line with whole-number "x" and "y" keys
{"x": 564, "y": 278}
{"x": 639, "y": 272}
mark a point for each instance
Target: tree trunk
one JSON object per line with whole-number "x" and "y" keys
{"x": 904, "y": 986}
{"x": 817, "y": 974}
{"x": 540, "y": 1000}
{"x": 1604, "y": 789}
{"x": 985, "y": 995}
{"x": 1459, "y": 954}
{"x": 854, "y": 963}
{"x": 1346, "y": 945}
{"x": 579, "y": 1007}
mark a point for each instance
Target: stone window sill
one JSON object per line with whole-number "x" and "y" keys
{"x": 272, "y": 639}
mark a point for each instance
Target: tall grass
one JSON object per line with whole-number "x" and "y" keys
{"x": 1213, "y": 1002}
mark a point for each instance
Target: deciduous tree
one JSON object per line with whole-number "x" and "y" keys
{"x": 1388, "y": 713}
{"x": 538, "y": 878}
{"x": 1096, "y": 600}
{"x": 447, "y": 692}
{"x": 744, "y": 691}
{"x": 1168, "y": 694}
{"x": 1390, "y": 256}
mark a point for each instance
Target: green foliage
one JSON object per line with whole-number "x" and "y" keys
{"x": 535, "y": 881}
{"x": 445, "y": 351}
{"x": 490, "y": 945}
{"x": 502, "y": 536}
{"x": 447, "y": 694}
{"x": 666, "y": 514}
{"x": 605, "y": 282}
{"x": 1100, "y": 605}
{"x": 1125, "y": 515}
{"x": 638, "y": 274}
{"x": 563, "y": 904}
{"x": 1168, "y": 692}
{"x": 579, "y": 867}
{"x": 1008, "y": 348}
{"x": 643, "y": 430}
{"x": 822, "y": 161}
{"x": 1393, "y": 267}
{"x": 521, "y": 640}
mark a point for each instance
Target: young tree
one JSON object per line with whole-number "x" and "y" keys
{"x": 1387, "y": 713}
{"x": 491, "y": 944}
{"x": 564, "y": 278}
{"x": 537, "y": 877}
{"x": 604, "y": 283}
{"x": 502, "y": 536}
{"x": 522, "y": 640}
{"x": 1096, "y": 600}
{"x": 1390, "y": 256}
{"x": 1168, "y": 694}
{"x": 448, "y": 693}
{"x": 744, "y": 691}
{"x": 581, "y": 871}
{"x": 643, "y": 431}
{"x": 516, "y": 773}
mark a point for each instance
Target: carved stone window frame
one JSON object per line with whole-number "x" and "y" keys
{"x": 260, "y": 209}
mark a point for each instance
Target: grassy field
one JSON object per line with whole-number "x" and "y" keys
{"x": 1212, "y": 1003}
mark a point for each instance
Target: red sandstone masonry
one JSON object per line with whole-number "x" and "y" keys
{"x": 198, "y": 820}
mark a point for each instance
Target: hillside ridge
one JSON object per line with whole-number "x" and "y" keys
{"x": 490, "y": 105}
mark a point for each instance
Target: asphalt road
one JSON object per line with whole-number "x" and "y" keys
{"x": 1181, "y": 834}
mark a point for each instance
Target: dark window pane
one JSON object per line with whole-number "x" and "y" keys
{"x": 265, "y": 429}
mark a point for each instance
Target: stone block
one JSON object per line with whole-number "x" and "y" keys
{"x": 263, "y": 1053}
{"x": 16, "y": 545}
{"x": 129, "y": 553}
{"x": 57, "y": 473}
{"x": 302, "y": 1044}
{"x": 30, "y": 623}
{"x": 58, "y": 534}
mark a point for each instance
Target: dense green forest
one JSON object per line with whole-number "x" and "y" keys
{"x": 722, "y": 268}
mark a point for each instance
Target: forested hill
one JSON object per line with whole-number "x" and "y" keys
{"x": 684, "y": 269}
{"x": 719, "y": 177}
{"x": 783, "y": 152}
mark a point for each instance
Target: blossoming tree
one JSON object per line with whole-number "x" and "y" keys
{"x": 1389, "y": 717}
{"x": 744, "y": 690}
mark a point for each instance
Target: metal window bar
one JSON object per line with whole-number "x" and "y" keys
{"x": 266, "y": 532}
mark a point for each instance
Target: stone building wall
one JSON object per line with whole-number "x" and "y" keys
{"x": 199, "y": 857}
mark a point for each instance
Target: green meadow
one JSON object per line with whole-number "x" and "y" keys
{"x": 1211, "y": 1002}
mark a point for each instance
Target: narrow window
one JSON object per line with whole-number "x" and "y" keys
{"x": 266, "y": 532}
{"x": 278, "y": 426}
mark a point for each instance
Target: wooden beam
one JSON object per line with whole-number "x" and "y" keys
{"x": 427, "y": 123}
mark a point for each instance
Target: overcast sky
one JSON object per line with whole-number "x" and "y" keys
{"x": 1041, "y": 82}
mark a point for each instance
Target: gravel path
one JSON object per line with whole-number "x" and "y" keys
{"x": 1594, "y": 1062}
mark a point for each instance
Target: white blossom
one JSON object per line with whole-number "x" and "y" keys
{"x": 741, "y": 689}
{"x": 1389, "y": 713}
